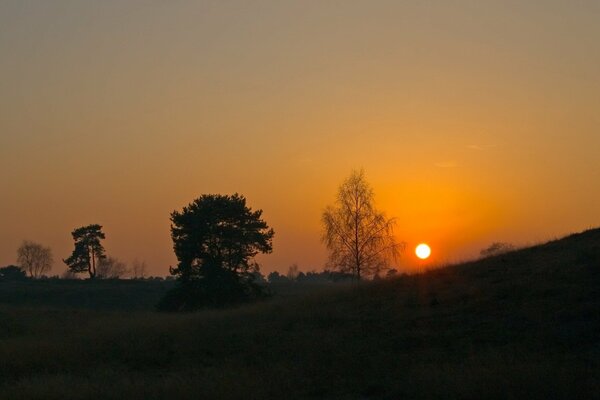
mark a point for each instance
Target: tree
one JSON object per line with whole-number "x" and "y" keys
{"x": 69, "y": 274}
{"x": 360, "y": 239}
{"x": 88, "y": 250}
{"x": 215, "y": 239}
{"x": 293, "y": 272}
{"x": 497, "y": 248}
{"x": 111, "y": 268}
{"x": 138, "y": 269}
{"x": 34, "y": 258}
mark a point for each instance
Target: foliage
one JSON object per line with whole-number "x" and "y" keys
{"x": 215, "y": 239}
{"x": 34, "y": 258}
{"x": 218, "y": 287}
{"x": 12, "y": 273}
{"x": 88, "y": 250}
{"x": 360, "y": 239}
{"x": 111, "y": 268}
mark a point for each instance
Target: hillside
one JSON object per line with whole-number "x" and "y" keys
{"x": 520, "y": 325}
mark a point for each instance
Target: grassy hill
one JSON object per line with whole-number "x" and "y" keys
{"x": 520, "y": 325}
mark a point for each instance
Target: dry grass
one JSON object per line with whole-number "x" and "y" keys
{"x": 521, "y": 325}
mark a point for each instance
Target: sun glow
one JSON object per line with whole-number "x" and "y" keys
{"x": 423, "y": 251}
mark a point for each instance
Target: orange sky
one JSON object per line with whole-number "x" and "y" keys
{"x": 474, "y": 121}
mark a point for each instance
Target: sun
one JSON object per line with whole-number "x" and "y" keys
{"x": 423, "y": 251}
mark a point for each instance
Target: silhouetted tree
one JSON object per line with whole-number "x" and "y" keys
{"x": 12, "y": 273}
{"x": 111, "y": 268}
{"x": 215, "y": 239}
{"x": 34, "y": 258}
{"x": 69, "y": 274}
{"x": 88, "y": 250}
{"x": 497, "y": 248}
{"x": 359, "y": 238}
{"x": 138, "y": 269}
{"x": 292, "y": 272}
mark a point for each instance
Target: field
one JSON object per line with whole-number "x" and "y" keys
{"x": 520, "y": 325}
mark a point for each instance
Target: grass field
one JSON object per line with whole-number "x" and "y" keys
{"x": 520, "y": 325}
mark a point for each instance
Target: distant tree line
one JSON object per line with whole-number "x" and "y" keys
{"x": 35, "y": 260}
{"x": 216, "y": 239}
{"x": 326, "y": 276}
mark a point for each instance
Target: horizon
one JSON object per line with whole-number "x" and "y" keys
{"x": 469, "y": 132}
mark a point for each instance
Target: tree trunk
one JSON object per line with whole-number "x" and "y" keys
{"x": 356, "y": 246}
{"x": 92, "y": 270}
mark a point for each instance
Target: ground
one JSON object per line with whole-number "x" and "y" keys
{"x": 520, "y": 325}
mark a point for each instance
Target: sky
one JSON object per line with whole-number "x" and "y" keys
{"x": 474, "y": 121}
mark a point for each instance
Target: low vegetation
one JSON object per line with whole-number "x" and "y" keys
{"x": 522, "y": 324}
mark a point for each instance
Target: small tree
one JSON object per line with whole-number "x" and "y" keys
{"x": 138, "y": 269}
{"x": 292, "y": 273}
{"x": 88, "y": 250}
{"x": 34, "y": 258}
{"x": 497, "y": 248}
{"x": 69, "y": 274}
{"x": 215, "y": 239}
{"x": 111, "y": 268}
{"x": 359, "y": 238}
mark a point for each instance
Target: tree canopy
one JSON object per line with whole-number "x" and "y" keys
{"x": 215, "y": 239}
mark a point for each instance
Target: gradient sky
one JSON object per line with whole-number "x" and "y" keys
{"x": 475, "y": 121}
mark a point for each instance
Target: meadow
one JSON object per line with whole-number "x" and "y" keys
{"x": 519, "y": 325}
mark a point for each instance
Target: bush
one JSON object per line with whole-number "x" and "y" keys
{"x": 12, "y": 273}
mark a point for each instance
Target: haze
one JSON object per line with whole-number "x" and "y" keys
{"x": 474, "y": 121}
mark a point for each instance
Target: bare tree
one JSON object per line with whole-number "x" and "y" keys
{"x": 111, "y": 268}
{"x": 360, "y": 239}
{"x": 293, "y": 272}
{"x": 69, "y": 274}
{"x": 34, "y": 258}
{"x": 138, "y": 269}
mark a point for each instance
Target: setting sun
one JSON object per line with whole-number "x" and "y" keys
{"x": 423, "y": 251}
